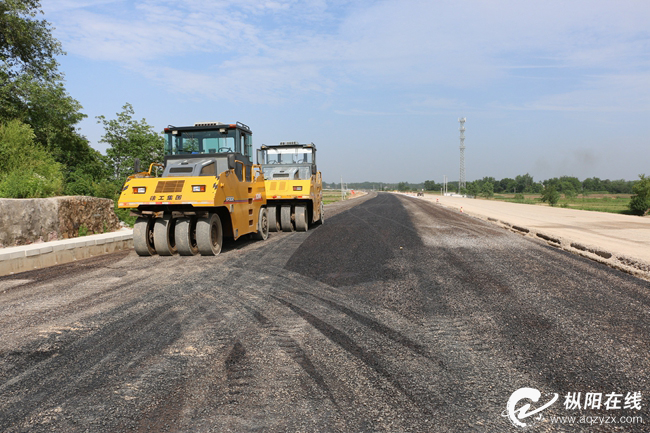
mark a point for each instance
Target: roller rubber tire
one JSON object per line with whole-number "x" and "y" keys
{"x": 143, "y": 237}
{"x": 164, "y": 236}
{"x": 209, "y": 235}
{"x": 274, "y": 221}
{"x": 301, "y": 218}
{"x": 321, "y": 219}
{"x": 185, "y": 235}
{"x": 262, "y": 225}
{"x": 285, "y": 219}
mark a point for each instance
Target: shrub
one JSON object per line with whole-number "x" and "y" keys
{"x": 640, "y": 203}
{"x": 550, "y": 195}
{"x": 79, "y": 183}
{"x": 569, "y": 193}
{"x": 106, "y": 189}
{"x": 26, "y": 170}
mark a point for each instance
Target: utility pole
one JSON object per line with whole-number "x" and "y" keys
{"x": 342, "y": 193}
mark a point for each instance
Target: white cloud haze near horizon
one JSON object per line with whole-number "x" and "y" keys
{"x": 548, "y": 88}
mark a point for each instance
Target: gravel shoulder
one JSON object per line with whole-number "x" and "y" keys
{"x": 621, "y": 241}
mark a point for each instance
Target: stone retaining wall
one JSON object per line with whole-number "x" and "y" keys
{"x": 27, "y": 221}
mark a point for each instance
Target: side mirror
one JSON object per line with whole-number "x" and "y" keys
{"x": 137, "y": 165}
{"x": 231, "y": 161}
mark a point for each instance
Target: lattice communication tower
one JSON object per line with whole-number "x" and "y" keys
{"x": 461, "y": 180}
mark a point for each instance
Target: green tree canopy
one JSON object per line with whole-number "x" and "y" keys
{"x": 403, "y": 186}
{"x": 129, "y": 139}
{"x": 568, "y": 189}
{"x": 431, "y": 185}
{"x": 27, "y": 54}
{"x": 26, "y": 43}
{"x": 32, "y": 90}
{"x": 640, "y": 202}
{"x": 472, "y": 188}
{"x": 26, "y": 169}
{"x": 570, "y": 183}
{"x": 487, "y": 189}
{"x": 592, "y": 184}
{"x": 550, "y": 195}
{"x": 506, "y": 185}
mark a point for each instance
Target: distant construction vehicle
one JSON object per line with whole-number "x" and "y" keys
{"x": 294, "y": 186}
{"x": 209, "y": 190}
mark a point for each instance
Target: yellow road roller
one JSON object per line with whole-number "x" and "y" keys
{"x": 209, "y": 189}
{"x": 294, "y": 186}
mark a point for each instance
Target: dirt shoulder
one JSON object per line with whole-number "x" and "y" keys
{"x": 621, "y": 241}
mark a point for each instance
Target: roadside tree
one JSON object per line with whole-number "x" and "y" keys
{"x": 431, "y": 185}
{"x": 572, "y": 182}
{"x": 472, "y": 188}
{"x": 506, "y": 185}
{"x": 32, "y": 90}
{"x": 129, "y": 139}
{"x": 592, "y": 184}
{"x": 568, "y": 189}
{"x": 487, "y": 190}
{"x": 26, "y": 169}
{"x": 403, "y": 186}
{"x": 525, "y": 183}
{"x": 550, "y": 195}
{"x": 640, "y": 202}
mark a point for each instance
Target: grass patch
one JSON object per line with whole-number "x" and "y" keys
{"x": 612, "y": 203}
{"x": 615, "y": 203}
{"x": 331, "y": 196}
{"x": 519, "y": 198}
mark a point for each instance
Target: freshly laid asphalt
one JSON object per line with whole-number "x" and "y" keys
{"x": 395, "y": 315}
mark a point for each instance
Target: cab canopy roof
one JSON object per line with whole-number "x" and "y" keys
{"x": 289, "y": 144}
{"x": 207, "y": 126}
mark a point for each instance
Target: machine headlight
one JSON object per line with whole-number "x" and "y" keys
{"x": 139, "y": 190}
{"x": 198, "y": 188}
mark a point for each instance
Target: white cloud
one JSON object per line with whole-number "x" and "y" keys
{"x": 58, "y": 6}
{"x": 280, "y": 50}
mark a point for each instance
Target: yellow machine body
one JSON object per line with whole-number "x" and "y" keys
{"x": 241, "y": 199}
{"x": 209, "y": 189}
{"x": 294, "y": 186}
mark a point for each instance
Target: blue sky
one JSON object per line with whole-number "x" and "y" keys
{"x": 548, "y": 88}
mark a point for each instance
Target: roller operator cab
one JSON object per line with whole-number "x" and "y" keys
{"x": 294, "y": 186}
{"x": 209, "y": 189}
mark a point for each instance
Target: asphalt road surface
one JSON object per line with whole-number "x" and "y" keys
{"x": 396, "y": 315}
